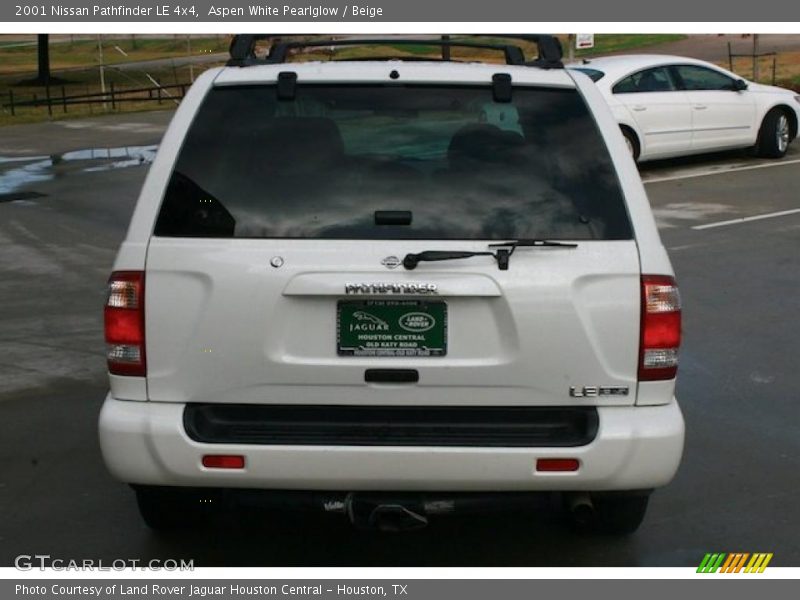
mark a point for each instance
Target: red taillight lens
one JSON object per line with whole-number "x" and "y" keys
{"x": 660, "y": 328}
{"x": 124, "y": 324}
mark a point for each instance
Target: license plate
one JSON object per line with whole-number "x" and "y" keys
{"x": 391, "y": 328}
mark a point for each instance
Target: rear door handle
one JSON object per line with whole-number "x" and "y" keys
{"x": 639, "y": 108}
{"x": 700, "y": 106}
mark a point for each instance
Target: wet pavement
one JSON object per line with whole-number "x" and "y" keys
{"x": 26, "y": 171}
{"x": 101, "y": 131}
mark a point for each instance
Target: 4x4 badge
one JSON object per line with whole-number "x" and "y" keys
{"x": 391, "y": 262}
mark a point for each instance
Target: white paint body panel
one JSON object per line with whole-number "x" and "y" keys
{"x": 663, "y": 118}
{"x": 221, "y": 327}
{"x": 722, "y": 119}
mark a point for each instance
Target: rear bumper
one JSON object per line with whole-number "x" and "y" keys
{"x": 635, "y": 448}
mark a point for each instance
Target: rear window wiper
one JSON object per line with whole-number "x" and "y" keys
{"x": 503, "y": 253}
{"x": 412, "y": 260}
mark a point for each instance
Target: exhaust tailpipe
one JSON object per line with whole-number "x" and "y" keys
{"x": 581, "y": 508}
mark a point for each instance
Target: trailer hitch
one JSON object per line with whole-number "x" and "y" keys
{"x": 373, "y": 512}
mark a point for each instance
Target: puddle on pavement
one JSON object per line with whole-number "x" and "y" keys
{"x": 36, "y": 169}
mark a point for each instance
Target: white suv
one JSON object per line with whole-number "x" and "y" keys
{"x": 392, "y": 289}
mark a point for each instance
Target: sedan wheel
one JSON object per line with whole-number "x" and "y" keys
{"x": 782, "y": 134}
{"x": 774, "y": 135}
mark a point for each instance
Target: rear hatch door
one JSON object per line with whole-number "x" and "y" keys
{"x": 275, "y": 272}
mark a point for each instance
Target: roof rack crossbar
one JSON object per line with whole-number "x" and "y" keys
{"x": 280, "y": 51}
{"x": 242, "y": 49}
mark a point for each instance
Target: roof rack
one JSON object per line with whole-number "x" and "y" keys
{"x": 242, "y": 49}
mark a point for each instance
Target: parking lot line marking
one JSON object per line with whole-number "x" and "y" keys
{"x": 720, "y": 171}
{"x": 781, "y": 213}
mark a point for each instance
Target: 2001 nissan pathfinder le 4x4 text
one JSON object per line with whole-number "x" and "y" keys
{"x": 392, "y": 289}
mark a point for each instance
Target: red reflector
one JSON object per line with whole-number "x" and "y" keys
{"x": 223, "y": 461}
{"x": 124, "y": 324}
{"x": 557, "y": 464}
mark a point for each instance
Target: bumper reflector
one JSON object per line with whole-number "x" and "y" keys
{"x": 552, "y": 465}
{"x": 223, "y": 461}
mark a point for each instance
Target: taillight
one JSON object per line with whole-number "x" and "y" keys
{"x": 660, "y": 328}
{"x": 124, "y": 324}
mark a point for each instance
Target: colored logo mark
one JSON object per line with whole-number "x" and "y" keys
{"x": 735, "y": 562}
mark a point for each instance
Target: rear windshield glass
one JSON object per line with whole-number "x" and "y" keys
{"x": 329, "y": 163}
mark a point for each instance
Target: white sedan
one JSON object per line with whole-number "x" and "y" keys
{"x": 673, "y": 106}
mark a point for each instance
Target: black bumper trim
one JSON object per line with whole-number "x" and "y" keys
{"x": 301, "y": 425}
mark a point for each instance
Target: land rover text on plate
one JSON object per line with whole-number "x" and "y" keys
{"x": 393, "y": 289}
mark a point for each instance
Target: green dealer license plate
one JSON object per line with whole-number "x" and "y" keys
{"x": 391, "y": 328}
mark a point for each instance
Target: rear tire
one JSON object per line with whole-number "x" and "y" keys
{"x": 632, "y": 142}
{"x": 774, "y": 135}
{"x": 170, "y": 509}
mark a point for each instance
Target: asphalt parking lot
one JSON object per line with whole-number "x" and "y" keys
{"x": 65, "y": 201}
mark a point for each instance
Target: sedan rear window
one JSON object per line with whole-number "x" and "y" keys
{"x": 334, "y": 160}
{"x": 657, "y": 79}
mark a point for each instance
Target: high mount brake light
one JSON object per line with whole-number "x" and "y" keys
{"x": 660, "y": 328}
{"x": 124, "y": 324}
